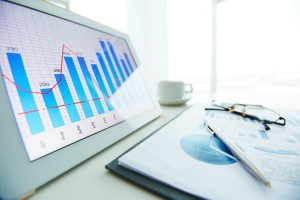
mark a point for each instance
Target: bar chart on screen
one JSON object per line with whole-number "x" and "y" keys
{"x": 65, "y": 87}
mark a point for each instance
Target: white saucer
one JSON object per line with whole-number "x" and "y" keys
{"x": 175, "y": 101}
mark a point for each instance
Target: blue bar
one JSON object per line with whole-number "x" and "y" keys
{"x": 128, "y": 74}
{"x": 263, "y": 134}
{"x": 132, "y": 94}
{"x": 125, "y": 67}
{"x": 291, "y": 122}
{"x": 297, "y": 136}
{"x": 102, "y": 86}
{"x": 291, "y": 140}
{"x": 202, "y": 125}
{"x": 116, "y": 60}
{"x": 27, "y": 100}
{"x": 113, "y": 70}
{"x": 295, "y": 120}
{"x": 106, "y": 74}
{"x": 67, "y": 97}
{"x": 78, "y": 87}
{"x": 128, "y": 62}
{"x": 90, "y": 85}
{"x": 52, "y": 108}
{"x": 111, "y": 66}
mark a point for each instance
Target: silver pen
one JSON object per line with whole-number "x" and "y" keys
{"x": 238, "y": 153}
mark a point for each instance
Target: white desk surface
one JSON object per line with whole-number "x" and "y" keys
{"x": 90, "y": 180}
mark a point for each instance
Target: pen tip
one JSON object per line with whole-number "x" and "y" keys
{"x": 268, "y": 184}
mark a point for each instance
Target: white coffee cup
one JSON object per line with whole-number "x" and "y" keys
{"x": 173, "y": 89}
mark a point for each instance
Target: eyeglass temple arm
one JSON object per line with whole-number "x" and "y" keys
{"x": 266, "y": 126}
{"x": 234, "y": 112}
{"x": 217, "y": 109}
{"x": 264, "y": 122}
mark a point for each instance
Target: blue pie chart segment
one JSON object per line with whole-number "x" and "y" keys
{"x": 200, "y": 148}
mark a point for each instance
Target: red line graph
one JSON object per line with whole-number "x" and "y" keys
{"x": 22, "y": 113}
{"x": 60, "y": 74}
{"x": 60, "y": 78}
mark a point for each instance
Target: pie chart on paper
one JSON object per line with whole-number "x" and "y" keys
{"x": 208, "y": 149}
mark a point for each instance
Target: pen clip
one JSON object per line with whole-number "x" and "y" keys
{"x": 210, "y": 130}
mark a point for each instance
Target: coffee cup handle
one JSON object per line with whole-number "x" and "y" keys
{"x": 188, "y": 88}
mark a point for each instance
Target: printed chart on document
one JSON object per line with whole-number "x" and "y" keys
{"x": 276, "y": 152}
{"x": 202, "y": 165}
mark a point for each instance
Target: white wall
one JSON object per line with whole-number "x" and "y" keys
{"x": 147, "y": 28}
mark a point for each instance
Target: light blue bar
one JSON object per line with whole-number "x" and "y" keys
{"x": 125, "y": 67}
{"x": 106, "y": 74}
{"x": 124, "y": 97}
{"x": 67, "y": 97}
{"x": 111, "y": 66}
{"x": 90, "y": 85}
{"x": 128, "y": 62}
{"x": 291, "y": 122}
{"x": 102, "y": 87}
{"x": 52, "y": 108}
{"x": 297, "y": 136}
{"x": 136, "y": 93}
{"x": 78, "y": 87}
{"x": 291, "y": 141}
{"x": 27, "y": 100}
{"x": 129, "y": 84}
{"x": 124, "y": 90}
{"x": 295, "y": 120}
{"x": 108, "y": 78}
{"x": 263, "y": 134}
{"x": 116, "y": 61}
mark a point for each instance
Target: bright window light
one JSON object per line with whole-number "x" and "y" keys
{"x": 258, "y": 47}
{"x": 112, "y": 13}
{"x": 189, "y": 42}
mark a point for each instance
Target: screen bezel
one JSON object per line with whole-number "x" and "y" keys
{"x": 19, "y": 175}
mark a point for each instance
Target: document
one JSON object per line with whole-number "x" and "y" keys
{"x": 184, "y": 155}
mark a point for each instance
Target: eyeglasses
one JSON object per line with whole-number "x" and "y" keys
{"x": 259, "y": 113}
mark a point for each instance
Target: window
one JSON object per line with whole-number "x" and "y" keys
{"x": 258, "y": 47}
{"x": 189, "y": 42}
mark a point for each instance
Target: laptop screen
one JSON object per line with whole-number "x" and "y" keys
{"x": 65, "y": 81}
